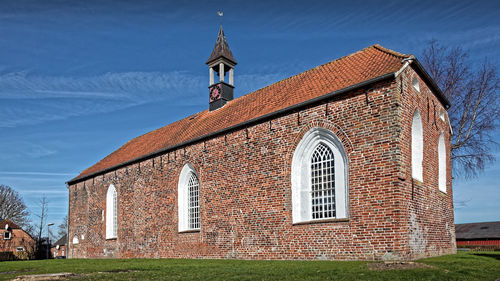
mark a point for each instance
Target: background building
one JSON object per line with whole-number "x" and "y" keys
{"x": 15, "y": 243}
{"x": 58, "y": 249}
{"x": 479, "y": 235}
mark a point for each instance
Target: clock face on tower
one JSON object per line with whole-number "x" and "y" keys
{"x": 215, "y": 93}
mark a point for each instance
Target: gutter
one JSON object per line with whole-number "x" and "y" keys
{"x": 390, "y": 75}
{"x": 435, "y": 88}
{"x": 406, "y": 62}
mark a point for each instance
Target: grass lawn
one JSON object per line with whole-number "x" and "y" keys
{"x": 462, "y": 266}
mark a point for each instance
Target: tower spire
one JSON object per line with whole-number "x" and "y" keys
{"x": 221, "y": 49}
{"x": 221, "y": 61}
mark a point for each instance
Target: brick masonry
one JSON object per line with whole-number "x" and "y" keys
{"x": 18, "y": 238}
{"x": 58, "y": 252}
{"x": 245, "y": 188}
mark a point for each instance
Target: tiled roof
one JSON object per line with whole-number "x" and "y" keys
{"x": 10, "y": 223}
{"x": 478, "y": 230}
{"x": 367, "y": 64}
{"x": 61, "y": 241}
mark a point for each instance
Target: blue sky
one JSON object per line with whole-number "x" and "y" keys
{"x": 80, "y": 78}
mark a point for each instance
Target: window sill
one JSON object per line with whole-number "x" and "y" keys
{"x": 190, "y": 231}
{"x": 417, "y": 181}
{"x": 321, "y": 221}
{"x": 112, "y": 238}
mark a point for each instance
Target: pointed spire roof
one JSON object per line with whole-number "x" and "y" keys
{"x": 221, "y": 49}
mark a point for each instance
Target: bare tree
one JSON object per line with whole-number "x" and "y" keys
{"x": 43, "y": 204}
{"x": 41, "y": 247}
{"x": 62, "y": 229}
{"x": 12, "y": 206}
{"x": 473, "y": 94}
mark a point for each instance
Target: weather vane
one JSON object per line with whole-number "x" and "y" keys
{"x": 220, "y": 13}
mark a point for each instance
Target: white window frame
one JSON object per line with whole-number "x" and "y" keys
{"x": 301, "y": 175}
{"x": 442, "y": 163}
{"x": 184, "y": 199}
{"x": 75, "y": 240}
{"x": 9, "y": 235}
{"x": 111, "y": 213}
{"x": 417, "y": 147}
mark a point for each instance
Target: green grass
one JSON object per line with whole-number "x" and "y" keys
{"x": 462, "y": 266}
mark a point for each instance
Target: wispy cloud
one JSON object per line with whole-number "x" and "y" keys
{"x": 25, "y": 150}
{"x": 31, "y": 99}
{"x": 36, "y": 173}
{"x": 52, "y": 192}
{"x": 128, "y": 86}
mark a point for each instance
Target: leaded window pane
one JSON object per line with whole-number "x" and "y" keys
{"x": 323, "y": 183}
{"x": 115, "y": 214}
{"x": 194, "y": 202}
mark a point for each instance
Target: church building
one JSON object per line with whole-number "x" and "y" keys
{"x": 349, "y": 160}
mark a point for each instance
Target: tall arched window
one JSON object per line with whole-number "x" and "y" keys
{"x": 417, "y": 147}
{"x": 111, "y": 213}
{"x": 323, "y": 182}
{"x": 188, "y": 199}
{"x": 319, "y": 177}
{"x": 442, "y": 163}
{"x": 194, "y": 202}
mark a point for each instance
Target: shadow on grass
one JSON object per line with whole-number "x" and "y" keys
{"x": 493, "y": 256}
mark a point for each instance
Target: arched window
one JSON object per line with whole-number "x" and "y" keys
{"x": 188, "y": 199}
{"x": 417, "y": 147}
{"x": 442, "y": 163}
{"x": 75, "y": 239}
{"x": 319, "y": 177}
{"x": 111, "y": 213}
{"x": 323, "y": 183}
{"x": 415, "y": 84}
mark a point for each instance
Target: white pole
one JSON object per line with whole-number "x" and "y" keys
{"x": 211, "y": 74}
{"x": 221, "y": 72}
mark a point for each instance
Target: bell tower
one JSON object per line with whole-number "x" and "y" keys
{"x": 222, "y": 62}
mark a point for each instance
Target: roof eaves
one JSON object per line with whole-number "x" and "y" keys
{"x": 365, "y": 83}
{"x": 432, "y": 83}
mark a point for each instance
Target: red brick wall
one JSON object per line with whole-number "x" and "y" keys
{"x": 430, "y": 211}
{"x": 58, "y": 252}
{"x": 19, "y": 238}
{"x": 245, "y": 187}
{"x": 479, "y": 242}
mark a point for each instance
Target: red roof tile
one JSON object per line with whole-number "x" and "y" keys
{"x": 369, "y": 63}
{"x": 10, "y": 223}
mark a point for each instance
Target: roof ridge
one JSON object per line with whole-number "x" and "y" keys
{"x": 389, "y": 51}
{"x": 477, "y": 222}
{"x": 311, "y": 69}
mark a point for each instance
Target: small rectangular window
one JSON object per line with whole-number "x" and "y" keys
{"x": 20, "y": 249}
{"x": 6, "y": 235}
